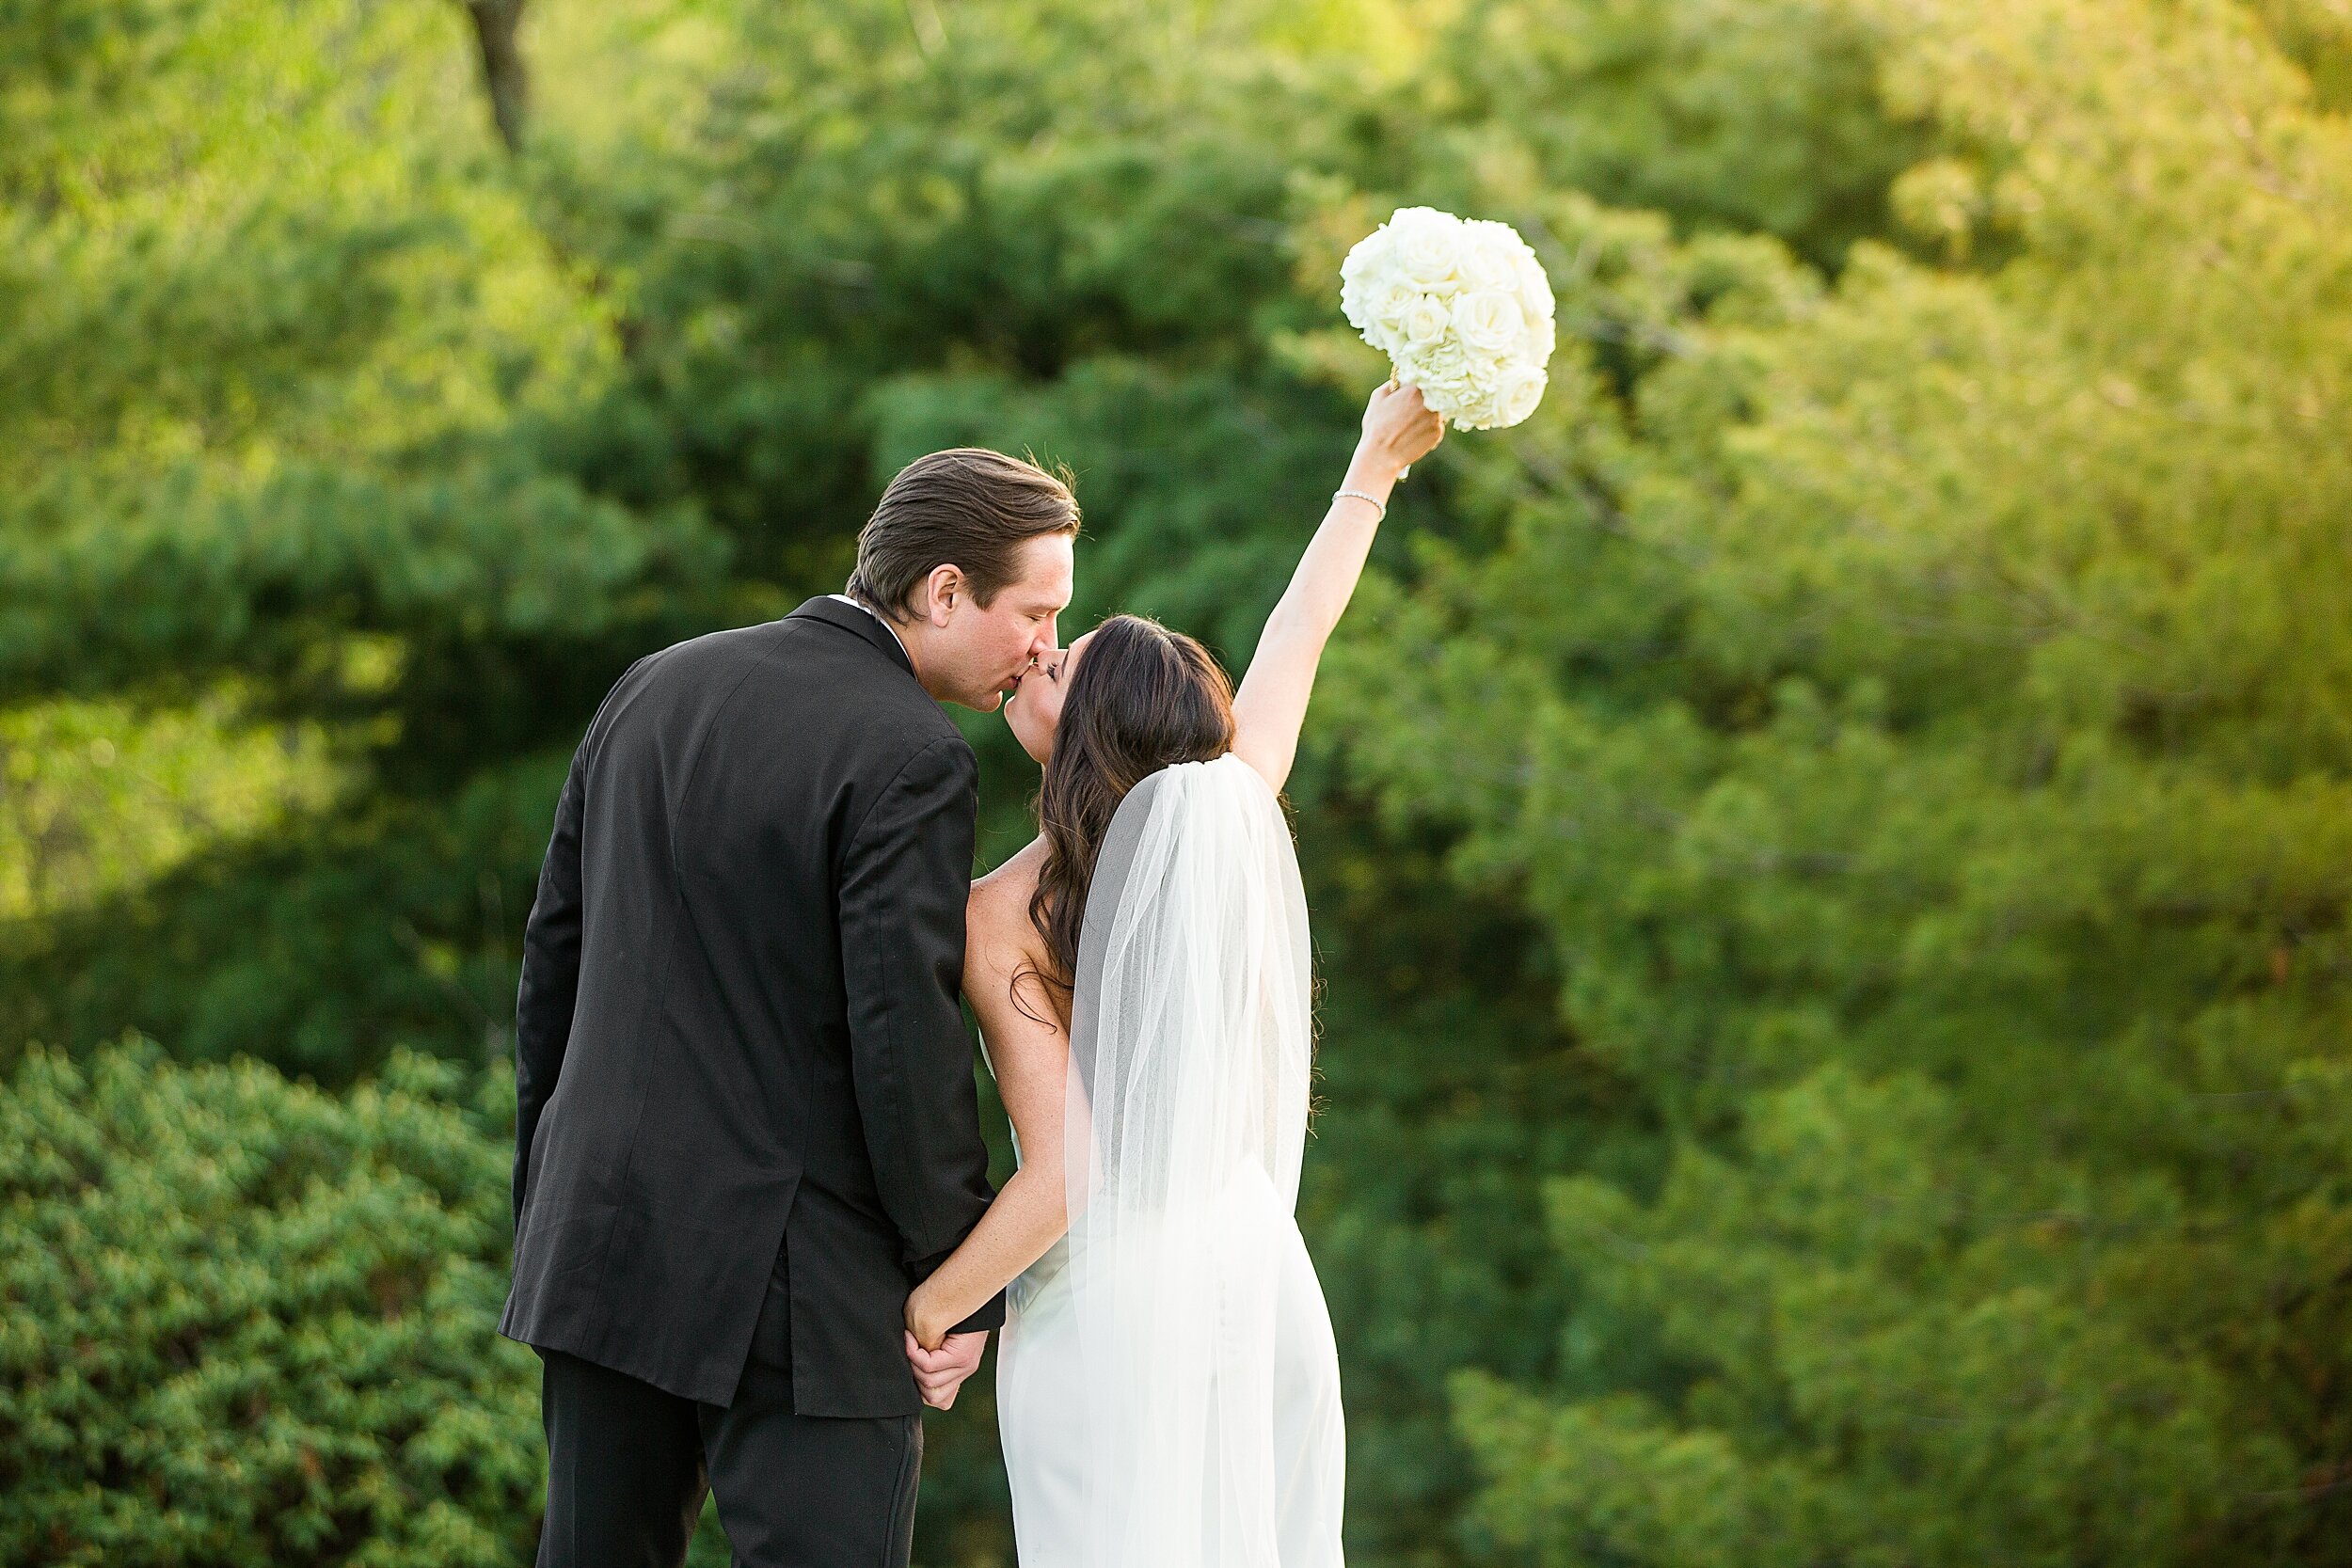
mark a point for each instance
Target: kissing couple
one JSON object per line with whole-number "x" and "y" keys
{"x": 753, "y": 1228}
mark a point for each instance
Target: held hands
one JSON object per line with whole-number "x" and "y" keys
{"x": 1399, "y": 429}
{"x": 926, "y": 1327}
{"x": 939, "y": 1373}
{"x": 950, "y": 1358}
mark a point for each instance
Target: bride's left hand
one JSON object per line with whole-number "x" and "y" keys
{"x": 939, "y": 1373}
{"x": 1399, "y": 429}
{"x": 923, "y": 1326}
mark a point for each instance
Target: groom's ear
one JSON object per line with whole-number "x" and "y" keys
{"x": 944, "y": 590}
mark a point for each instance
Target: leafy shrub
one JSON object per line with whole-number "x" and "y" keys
{"x": 246, "y": 1321}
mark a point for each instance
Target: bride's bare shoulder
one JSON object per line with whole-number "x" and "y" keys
{"x": 1003, "y": 954}
{"x": 998, "y": 912}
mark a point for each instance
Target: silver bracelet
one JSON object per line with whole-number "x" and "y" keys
{"x": 1361, "y": 496}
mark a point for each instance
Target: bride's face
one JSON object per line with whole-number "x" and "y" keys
{"x": 1034, "y": 710}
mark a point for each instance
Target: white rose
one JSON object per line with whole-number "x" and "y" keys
{"x": 1520, "y": 389}
{"x": 1534, "y": 289}
{"x": 1423, "y": 324}
{"x": 1388, "y": 299}
{"x": 1489, "y": 321}
{"x": 1367, "y": 258}
{"x": 1486, "y": 266}
{"x": 1415, "y": 220}
{"x": 1535, "y": 345}
{"x": 1364, "y": 284}
{"x": 1426, "y": 250}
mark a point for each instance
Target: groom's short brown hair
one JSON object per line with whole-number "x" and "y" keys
{"x": 966, "y": 507}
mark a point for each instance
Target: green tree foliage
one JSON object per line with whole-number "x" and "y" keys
{"x": 275, "y": 356}
{"x": 1747, "y": 114}
{"x": 1916, "y": 711}
{"x": 96, "y": 798}
{"x": 245, "y": 1319}
{"x": 283, "y": 366}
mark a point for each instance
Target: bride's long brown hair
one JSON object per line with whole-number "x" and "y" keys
{"x": 1143, "y": 698}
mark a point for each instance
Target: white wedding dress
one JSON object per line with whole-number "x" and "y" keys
{"x": 1168, "y": 1385}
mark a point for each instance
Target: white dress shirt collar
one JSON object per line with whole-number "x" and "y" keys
{"x": 887, "y": 625}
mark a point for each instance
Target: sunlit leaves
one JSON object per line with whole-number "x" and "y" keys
{"x": 1918, "y": 717}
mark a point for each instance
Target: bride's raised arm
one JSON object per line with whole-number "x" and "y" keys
{"x": 1272, "y": 703}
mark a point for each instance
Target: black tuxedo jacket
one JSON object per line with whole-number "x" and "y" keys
{"x": 740, "y": 1061}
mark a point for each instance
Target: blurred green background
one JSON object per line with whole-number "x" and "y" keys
{"x": 1830, "y": 844}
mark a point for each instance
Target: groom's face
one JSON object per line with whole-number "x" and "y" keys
{"x": 992, "y": 646}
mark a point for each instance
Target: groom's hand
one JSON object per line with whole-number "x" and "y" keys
{"x": 940, "y": 1372}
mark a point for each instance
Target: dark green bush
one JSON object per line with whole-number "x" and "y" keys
{"x": 244, "y": 1321}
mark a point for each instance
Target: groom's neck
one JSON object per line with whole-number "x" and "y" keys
{"x": 919, "y": 637}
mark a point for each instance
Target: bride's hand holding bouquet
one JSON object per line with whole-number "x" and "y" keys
{"x": 1400, "y": 429}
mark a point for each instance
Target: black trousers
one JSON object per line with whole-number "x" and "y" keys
{"x": 629, "y": 1464}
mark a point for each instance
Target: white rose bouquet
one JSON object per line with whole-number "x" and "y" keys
{"x": 1462, "y": 308}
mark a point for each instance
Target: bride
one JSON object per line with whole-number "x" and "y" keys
{"x": 1168, "y": 1383}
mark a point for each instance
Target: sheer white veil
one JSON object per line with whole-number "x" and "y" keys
{"x": 1191, "y": 1041}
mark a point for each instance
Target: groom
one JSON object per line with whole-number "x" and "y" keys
{"x": 745, "y": 1125}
